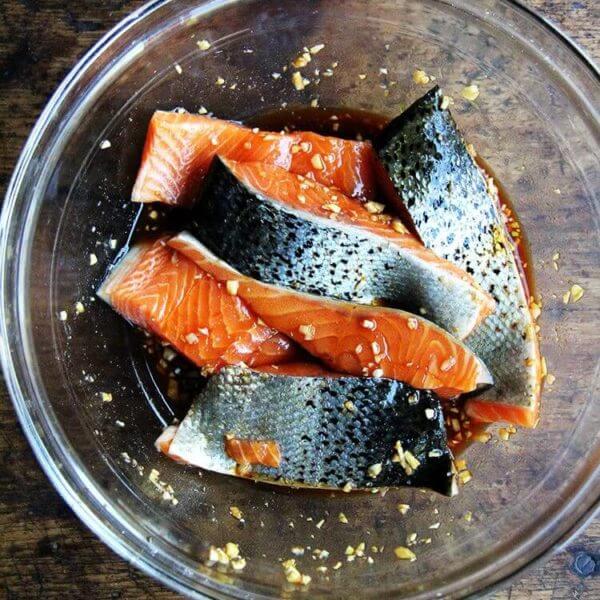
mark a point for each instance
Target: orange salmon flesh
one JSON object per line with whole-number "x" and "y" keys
{"x": 354, "y": 339}
{"x": 179, "y": 148}
{"x": 253, "y": 452}
{"x": 161, "y": 290}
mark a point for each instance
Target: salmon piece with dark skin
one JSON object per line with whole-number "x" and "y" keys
{"x": 351, "y": 338}
{"x": 454, "y": 206}
{"x": 253, "y": 452}
{"x": 162, "y": 291}
{"x": 315, "y": 431}
{"x": 179, "y": 148}
{"x": 287, "y": 230}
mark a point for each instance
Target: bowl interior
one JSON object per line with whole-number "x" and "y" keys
{"x": 534, "y": 123}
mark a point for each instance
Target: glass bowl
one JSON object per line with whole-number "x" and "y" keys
{"x": 535, "y": 122}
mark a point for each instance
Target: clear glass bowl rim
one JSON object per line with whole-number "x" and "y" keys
{"x": 65, "y": 476}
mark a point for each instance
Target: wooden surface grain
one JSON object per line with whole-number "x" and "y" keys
{"x": 45, "y": 552}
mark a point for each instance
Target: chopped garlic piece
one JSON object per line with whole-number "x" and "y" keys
{"x": 236, "y": 513}
{"x": 297, "y": 80}
{"x": 308, "y": 331}
{"x": 403, "y": 508}
{"x": 420, "y": 77}
{"x": 232, "y": 287}
{"x": 232, "y": 550}
{"x": 369, "y": 324}
{"x": 398, "y": 226}
{"x": 375, "y": 208}
{"x": 470, "y": 92}
{"x": 447, "y": 101}
{"x": 317, "y": 162}
{"x": 191, "y": 338}
{"x": 576, "y": 292}
{"x": 404, "y": 553}
{"x": 374, "y": 470}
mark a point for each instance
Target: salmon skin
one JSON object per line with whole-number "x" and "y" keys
{"x": 393, "y": 435}
{"x": 179, "y": 148}
{"x": 455, "y": 214}
{"x": 351, "y": 338}
{"x": 165, "y": 293}
{"x": 249, "y": 216}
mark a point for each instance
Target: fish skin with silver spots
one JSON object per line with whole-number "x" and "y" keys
{"x": 279, "y": 244}
{"x": 453, "y": 211}
{"x": 322, "y": 443}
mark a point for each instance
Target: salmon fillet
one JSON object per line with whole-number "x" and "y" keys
{"x": 455, "y": 210}
{"x": 286, "y": 230}
{"x": 162, "y": 291}
{"x": 354, "y": 339}
{"x": 179, "y": 148}
{"x": 329, "y": 432}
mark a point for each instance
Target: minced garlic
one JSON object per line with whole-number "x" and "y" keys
{"x": 317, "y": 162}
{"x": 307, "y": 331}
{"x": 374, "y": 470}
{"x": 576, "y": 292}
{"x": 375, "y": 208}
{"x": 470, "y": 92}
{"x": 420, "y": 77}
{"x": 236, "y": 513}
{"x": 232, "y": 287}
{"x": 297, "y": 80}
{"x": 404, "y": 553}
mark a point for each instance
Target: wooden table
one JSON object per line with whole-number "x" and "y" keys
{"x": 45, "y": 552}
